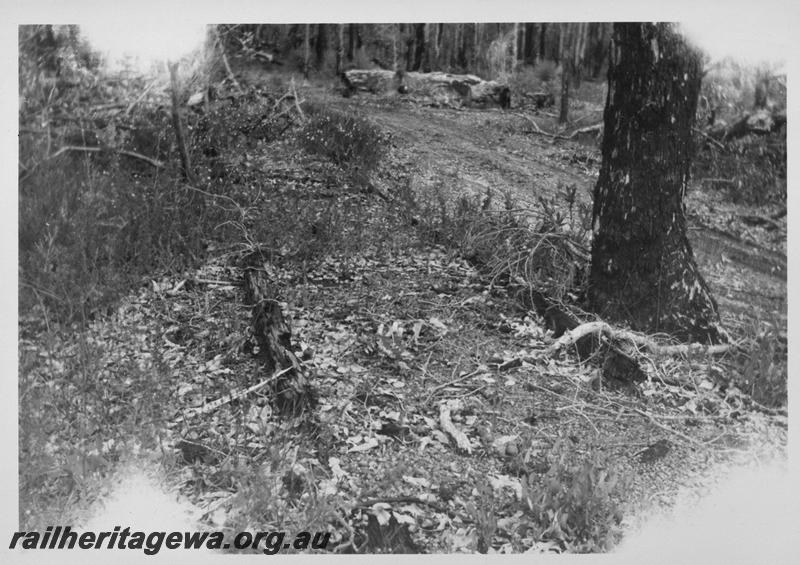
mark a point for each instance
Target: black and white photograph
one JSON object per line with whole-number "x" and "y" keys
{"x": 438, "y": 281}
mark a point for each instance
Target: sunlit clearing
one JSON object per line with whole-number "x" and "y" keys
{"x": 750, "y": 517}
{"x": 144, "y": 42}
{"x": 746, "y": 40}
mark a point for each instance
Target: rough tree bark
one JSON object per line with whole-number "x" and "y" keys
{"x": 643, "y": 269}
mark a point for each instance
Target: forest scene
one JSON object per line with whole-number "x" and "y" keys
{"x": 489, "y": 288}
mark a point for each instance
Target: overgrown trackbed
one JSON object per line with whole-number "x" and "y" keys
{"x": 406, "y": 343}
{"x": 474, "y": 151}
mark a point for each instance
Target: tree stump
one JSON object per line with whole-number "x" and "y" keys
{"x": 293, "y": 394}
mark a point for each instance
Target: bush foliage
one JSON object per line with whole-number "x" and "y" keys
{"x": 353, "y": 143}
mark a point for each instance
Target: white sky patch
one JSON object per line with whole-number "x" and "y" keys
{"x": 750, "y": 37}
{"x": 144, "y": 41}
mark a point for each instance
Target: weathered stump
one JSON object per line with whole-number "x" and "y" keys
{"x": 293, "y": 393}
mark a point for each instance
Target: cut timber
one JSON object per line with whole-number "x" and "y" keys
{"x": 293, "y": 392}
{"x": 442, "y": 88}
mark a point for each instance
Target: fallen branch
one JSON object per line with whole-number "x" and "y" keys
{"x": 667, "y": 428}
{"x": 235, "y": 395}
{"x": 709, "y": 138}
{"x": 601, "y": 328}
{"x": 139, "y": 98}
{"x": 539, "y": 130}
{"x": 370, "y": 502}
{"x": 595, "y": 128}
{"x": 450, "y": 383}
{"x": 718, "y": 181}
{"x": 755, "y": 220}
{"x": 148, "y": 160}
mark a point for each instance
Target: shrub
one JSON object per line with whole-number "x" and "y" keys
{"x": 354, "y": 144}
{"x": 525, "y": 80}
{"x": 577, "y": 501}
{"x": 763, "y": 370}
{"x": 545, "y": 71}
{"x": 87, "y": 230}
{"x": 751, "y": 169}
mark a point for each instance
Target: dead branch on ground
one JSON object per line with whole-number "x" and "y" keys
{"x": 603, "y": 329}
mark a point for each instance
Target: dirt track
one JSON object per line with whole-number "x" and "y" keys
{"x": 471, "y": 151}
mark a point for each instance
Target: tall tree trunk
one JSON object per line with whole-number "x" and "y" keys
{"x": 565, "y": 38}
{"x": 463, "y": 48}
{"x": 306, "y": 48}
{"x": 426, "y": 55}
{"x": 339, "y": 48}
{"x": 395, "y": 33}
{"x": 563, "y": 115}
{"x": 529, "y": 45}
{"x": 476, "y": 41}
{"x": 352, "y": 41}
{"x": 177, "y": 125}
{"x": 320, "y": 45}
{"x": 514, "y": 47}
{"x": 598, "y": 39}
{"x": 643, "y": 270}
{"x": 419, "y": 46}
{"x": 433, "y": 45}
{"x": 541, "y": 54}
{"x": 573, "y": 42}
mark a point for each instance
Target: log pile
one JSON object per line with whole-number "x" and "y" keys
{"x": 443, "y": 89}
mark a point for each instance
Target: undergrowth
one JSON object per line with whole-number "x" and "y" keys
{"x": 578, "y": 500}
{"x": 543, "y": 248}
{"x": 351, "y": 142}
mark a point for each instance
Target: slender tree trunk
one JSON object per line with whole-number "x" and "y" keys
{"x": 541, "y": 53}
{"x": 395, "y": 34}
{"x": 564, "y": 40}
{"x": 306, "y": 48}
{"x": 514, "y": 47}
{"x": 643, "y": 270}
{"x": 410, "y": 47}
{"x": 426, "y": 59}
{"x": 177, "y": 124}
{"x": 573, "y": 42}
{"x": 320, "y": 45}
{"x": 476, "y": 41}
{"x": 529, "y": 46}
{"x": 352, "y": 40}
{"x": 339, "y": 48}
{"x": 419, "y": 46}
{"x": 563, "y": 115}
{"x": 433, "y": 44}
